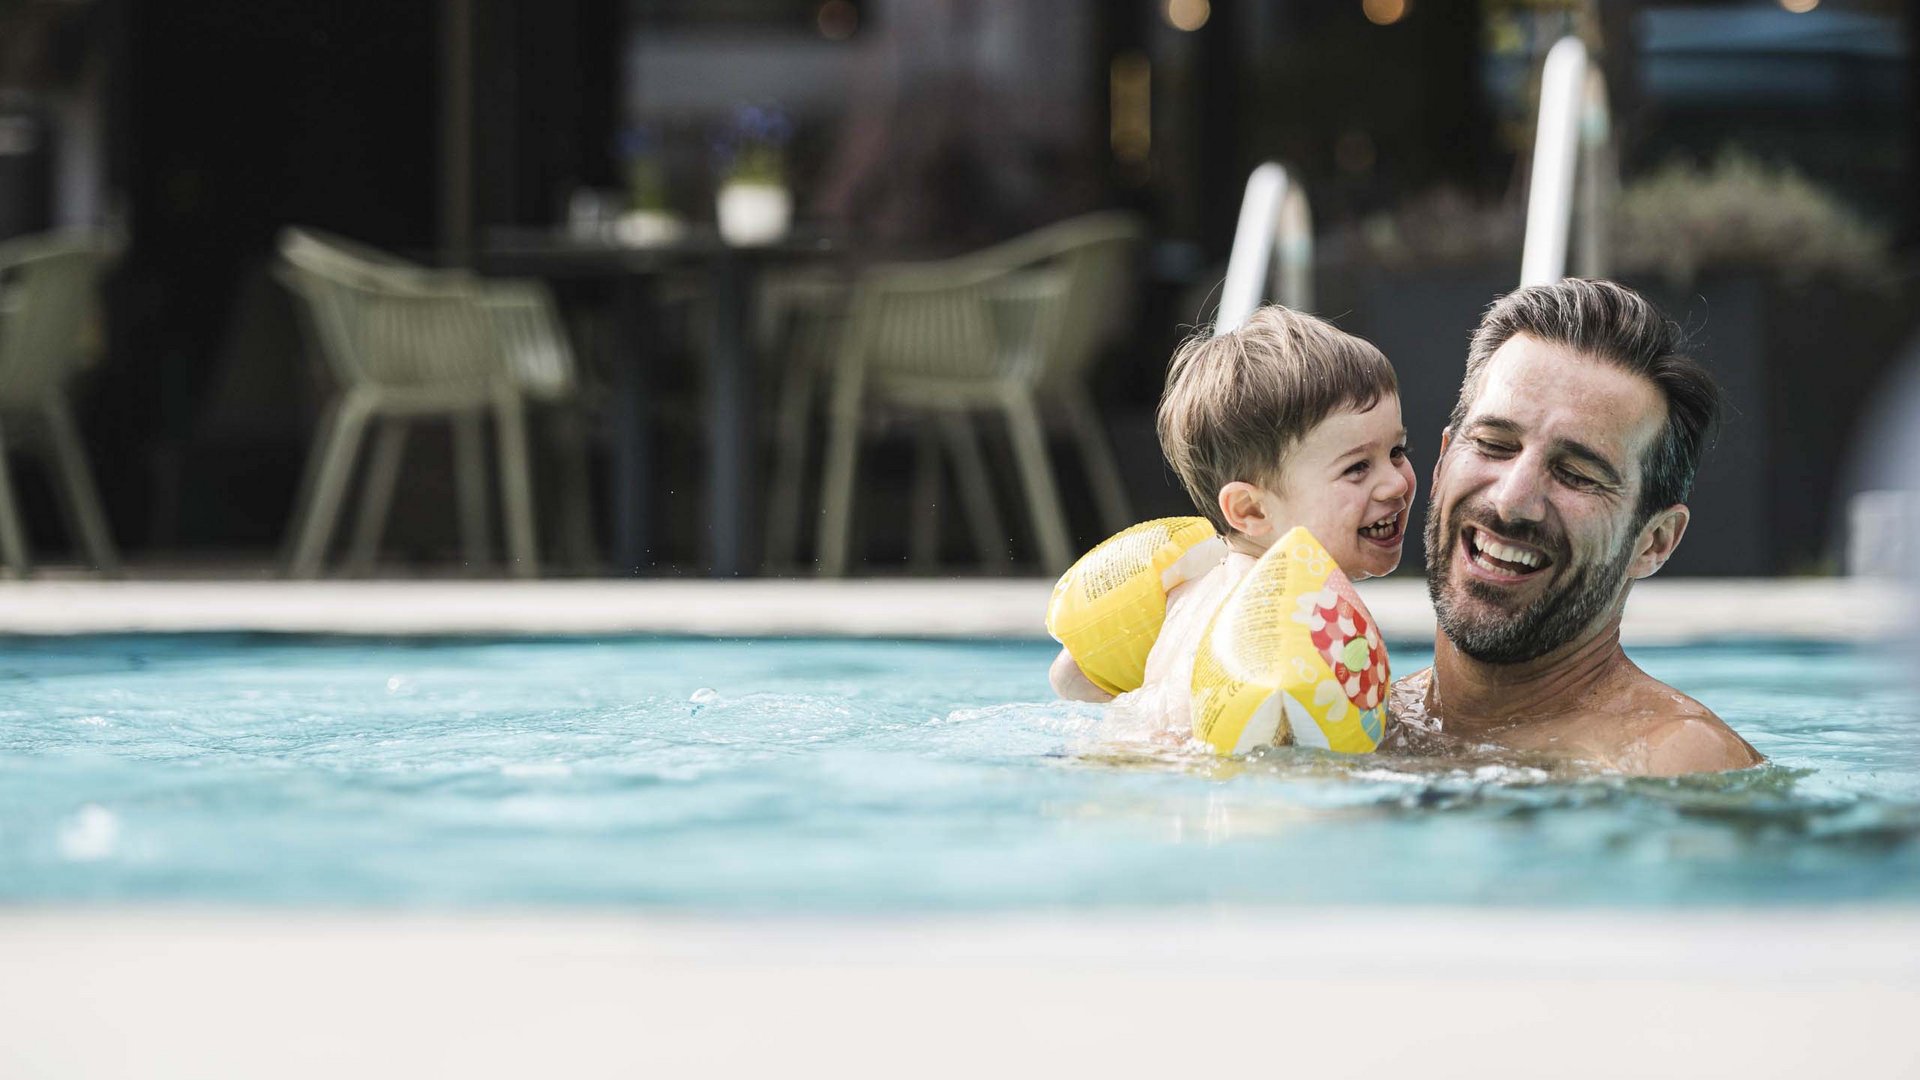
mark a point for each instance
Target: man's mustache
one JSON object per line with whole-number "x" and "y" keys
{"x": 1532, "y": 533}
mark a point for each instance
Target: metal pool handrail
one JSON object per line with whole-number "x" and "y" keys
{"x": 1569, "y": 151}
{"x": 1274, "y": 220}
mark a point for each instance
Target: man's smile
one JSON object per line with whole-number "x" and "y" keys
{"x": 1494, "y": 558}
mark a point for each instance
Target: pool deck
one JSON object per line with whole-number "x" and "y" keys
{"x": 1660, "y": 611}
{"x": 1388, "y": 993}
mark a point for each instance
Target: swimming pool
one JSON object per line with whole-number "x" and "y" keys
{"x": 777, "y": 776}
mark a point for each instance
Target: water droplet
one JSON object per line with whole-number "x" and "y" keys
{"x": 394, "y": 683}
{"x": 705, "y": 695}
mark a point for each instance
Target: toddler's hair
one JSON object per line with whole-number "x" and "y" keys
{"x": 1236, "y": 404}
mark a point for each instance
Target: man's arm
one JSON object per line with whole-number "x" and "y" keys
{"x": 1072, "y": 683}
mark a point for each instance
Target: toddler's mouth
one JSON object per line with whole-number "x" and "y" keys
{"x": 1384, "y": 531}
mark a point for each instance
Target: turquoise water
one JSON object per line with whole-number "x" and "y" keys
{"x": 783, "y": 776}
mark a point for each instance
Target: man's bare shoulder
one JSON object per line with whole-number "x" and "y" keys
{"x": 1679, "y": 735}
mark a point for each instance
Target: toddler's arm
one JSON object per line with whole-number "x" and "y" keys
{"x": 1072, "y": 683}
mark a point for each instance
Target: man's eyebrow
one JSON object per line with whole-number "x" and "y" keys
{"x": 1499, "y": 423}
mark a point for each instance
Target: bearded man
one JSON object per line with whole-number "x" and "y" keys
{"x": 1562, "y": 479}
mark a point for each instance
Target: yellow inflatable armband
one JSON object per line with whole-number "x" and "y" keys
{"x": 1291, "y": 656}
{"x": 1107, "y": 608}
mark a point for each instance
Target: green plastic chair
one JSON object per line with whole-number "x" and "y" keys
{"x": 48, "y": 319}
{"x": 1012, "y": 328}
{"x": 405, "y": 342}
{"x": 950, "y": 338}
{"x": 1097, "y": 252}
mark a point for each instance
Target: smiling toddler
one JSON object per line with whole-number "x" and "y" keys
{"x": 1285, "y": 421}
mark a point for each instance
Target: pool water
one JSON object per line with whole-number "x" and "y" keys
{"x": 859, "y": 776}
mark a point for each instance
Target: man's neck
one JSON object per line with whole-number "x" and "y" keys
{"x": 1468, "y": 693}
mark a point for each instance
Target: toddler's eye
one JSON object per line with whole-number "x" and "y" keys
{"x": 1399, "y": 454}
{"x": 1358, "y": 468}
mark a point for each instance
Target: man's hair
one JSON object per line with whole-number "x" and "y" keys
{"x": 1613, "y": 324}
{"x": 1236, "y": 404}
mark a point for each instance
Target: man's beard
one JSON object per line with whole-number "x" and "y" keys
{"x": 1555, "y": 618}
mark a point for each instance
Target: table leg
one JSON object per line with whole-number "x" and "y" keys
{"x": 632, "y": 467}
{"x": 730, "y": 480}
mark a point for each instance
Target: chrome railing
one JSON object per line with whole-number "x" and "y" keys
{"x": 1272, "y": 249}
{"x": 1571, "y": 156}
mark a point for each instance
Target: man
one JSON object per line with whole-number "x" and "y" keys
{"x": 1562, "y": 478}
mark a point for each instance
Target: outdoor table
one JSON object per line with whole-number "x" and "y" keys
{"x": 732, "y": 274}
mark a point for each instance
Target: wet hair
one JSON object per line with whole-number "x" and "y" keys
{"x": 1615, "y": 325}
{"x": 1235, "y": 405}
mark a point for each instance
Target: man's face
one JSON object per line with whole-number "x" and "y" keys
{"x": 1531, "y": 535}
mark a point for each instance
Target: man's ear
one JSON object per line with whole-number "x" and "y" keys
{"x": 1658, "y": 539}
{"x": 1244, "y": 510}
{"x": 1440, "y": 459}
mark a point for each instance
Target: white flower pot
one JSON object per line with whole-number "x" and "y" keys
{"x": 752, "y": 214}
{"x": 648, "y": 228}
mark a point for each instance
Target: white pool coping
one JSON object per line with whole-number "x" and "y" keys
{"x": 1390, "y": 993}
{"x": 1660, "y": 611}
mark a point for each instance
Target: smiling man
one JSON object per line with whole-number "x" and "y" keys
{"x": 1562, "y": 479}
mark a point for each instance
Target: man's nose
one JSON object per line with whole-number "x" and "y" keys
{"x": 1520, "y": 493}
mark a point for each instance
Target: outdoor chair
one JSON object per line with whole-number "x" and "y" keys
{"x": 1021, "y": 353}
{"x": 1097, "y": 253}
{"x": 405, "y": 342}
{"x": 949, "y": 338}
{"x": 48, "y": 308}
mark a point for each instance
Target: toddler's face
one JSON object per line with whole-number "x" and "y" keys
{"x": 1350, "y": 483}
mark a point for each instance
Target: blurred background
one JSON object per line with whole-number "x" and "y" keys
{"x": 737, "y": 287}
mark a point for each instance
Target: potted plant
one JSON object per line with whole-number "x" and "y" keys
{"x": 753, "y": 205}
{"x": 649, "y": 218}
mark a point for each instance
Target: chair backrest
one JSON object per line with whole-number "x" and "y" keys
{"x": 1097, "y": 253}
{"x": 387, "y": 324}
{"x": 522, "y": 314}
{"x": 531, "y": 339}
{"x": 1003, "y": 312}
{"x": 1036, "y": 307}
{"x": 48, "y": 302}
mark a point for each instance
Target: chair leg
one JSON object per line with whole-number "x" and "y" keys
{"x": 982, "y": 512}
{"x": 576, "y": 525}
{"x": 376, "y": 495}
{"x": 470, "y": 489}
{"x": 13, "y": 536}
{"x": 923, "y": 539}
{"x": 335, "y": 446}
{"x": 1036, "y": 474}
{"x": 789, "y": 466}
{"x": 80, "y": 497}
{"x": 1096, "y": 450}
{"x": 516, "y": 487}
{"x": 836, "y": 483}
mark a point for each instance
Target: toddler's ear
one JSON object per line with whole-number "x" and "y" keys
{"x": 1244, "y": 510}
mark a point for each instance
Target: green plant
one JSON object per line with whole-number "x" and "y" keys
{"x": 1740, "y": 211}
{"x": 753, "y": 147}
{"x": 1443, "y": 227}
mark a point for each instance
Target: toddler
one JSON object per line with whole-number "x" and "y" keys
{"x": 1283, "y": 422}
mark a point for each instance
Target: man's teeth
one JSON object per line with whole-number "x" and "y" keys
{"x": 1507, "y": 552}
